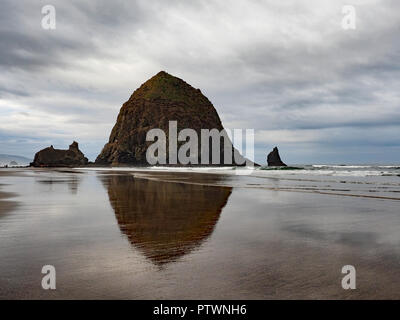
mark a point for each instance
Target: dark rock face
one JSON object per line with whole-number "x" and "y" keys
{"x": 50, "y": 157}
{"x": 161, "y": 99}
{"x": 274, "y": 160}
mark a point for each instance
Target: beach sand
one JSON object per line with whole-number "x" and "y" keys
{"x": 184, "y": 235}
{"x": 6, "y": 205}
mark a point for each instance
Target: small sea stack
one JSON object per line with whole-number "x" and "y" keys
{"x": 274, "y": 159}
{"x": 50, "y": 157}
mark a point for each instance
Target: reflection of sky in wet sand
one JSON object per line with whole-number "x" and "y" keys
{"x": 114, "y": 235}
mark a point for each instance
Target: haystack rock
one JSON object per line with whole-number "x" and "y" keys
{"x": 161, "y": 99}
{"x": 50, "y": 157}
{"x": 274, "y": 159}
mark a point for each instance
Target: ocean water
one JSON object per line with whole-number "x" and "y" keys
{"x": 373, "y": 181}
{"x": 200, "y": 233}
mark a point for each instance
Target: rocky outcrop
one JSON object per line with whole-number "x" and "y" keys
{"x": 274, "y": 159}
{"x": 161, "y": 99}
{"x": 50, "y": 157}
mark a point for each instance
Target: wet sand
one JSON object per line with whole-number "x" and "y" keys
{"x": 162, "y": 235}
{"x": 6, "y": 205}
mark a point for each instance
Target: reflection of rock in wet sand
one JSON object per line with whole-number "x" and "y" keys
{"x": 72, "y": 183}
{"x": 64, "y": 177}
{"x": 165, "y": 220}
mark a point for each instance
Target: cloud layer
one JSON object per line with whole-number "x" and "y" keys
{"x": 288, "y": 70}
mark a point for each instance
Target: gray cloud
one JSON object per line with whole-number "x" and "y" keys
{"x": 287, "y": 70}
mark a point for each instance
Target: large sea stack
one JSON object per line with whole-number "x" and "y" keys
{"x": 161, "y": 99}
{"x": 274, "y": 159}
{"x": 50, "y": 157}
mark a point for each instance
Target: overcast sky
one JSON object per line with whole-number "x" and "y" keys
{"x": 288, "y": 69}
